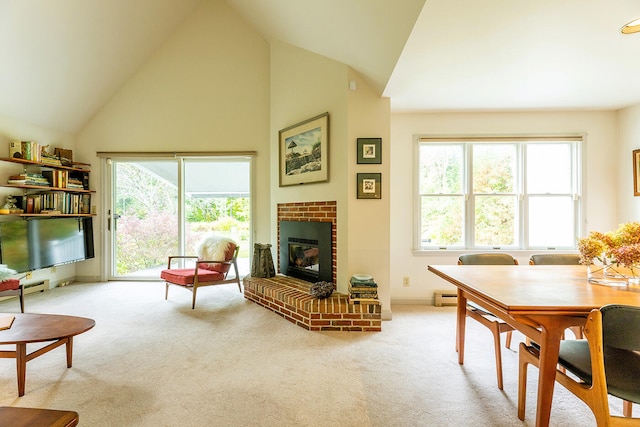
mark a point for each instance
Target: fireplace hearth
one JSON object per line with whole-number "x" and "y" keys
{"x": 289, "y": 296}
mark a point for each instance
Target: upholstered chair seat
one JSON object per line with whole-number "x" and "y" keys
{"x": 216, "y": 255}
{"x": 12, "y": 287}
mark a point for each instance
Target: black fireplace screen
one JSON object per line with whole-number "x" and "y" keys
{"x": 305, "y": 250}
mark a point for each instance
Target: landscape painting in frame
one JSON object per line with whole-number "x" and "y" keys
{"x": 304, "y": 152}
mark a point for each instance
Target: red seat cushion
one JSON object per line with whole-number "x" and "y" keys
{"x": 10, "y": 285}
{"x": 185, "y": 276}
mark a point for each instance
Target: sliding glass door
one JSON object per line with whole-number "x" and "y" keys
{"x": 162, "y": 207}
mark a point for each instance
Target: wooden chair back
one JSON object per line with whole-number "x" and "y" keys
{"x": 554, "y": 259}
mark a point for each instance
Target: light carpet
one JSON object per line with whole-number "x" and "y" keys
{"x": 230, "y": 362}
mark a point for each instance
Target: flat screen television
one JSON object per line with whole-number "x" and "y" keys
{"x": 44, "y": 242}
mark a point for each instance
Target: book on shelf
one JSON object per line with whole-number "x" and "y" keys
{"x": 30, "y": 201}
{"x": 363, "y": 284}
{"x": 363, "y": 288}
{"x": 363, "y": 297}
{"x": 31, "y": 150}
{"x": 85, "y": 204}
{"x": 28, "y": 179}
{"x": 15, "y": 149}
{"x": 17, "y": 182}
{"x": 363, "y": 300}
{"x": 371, "y": 293}
{"x": 27, "y": 175}
{"x": 57, "y": 178}
{"x": 51, "y": 161}
{"x": 81, "y": 177}
{"x": 363, "y": 294}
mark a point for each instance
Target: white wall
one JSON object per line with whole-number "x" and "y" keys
{"x": 206, "y": 89}
{"x": 600, "y": 175}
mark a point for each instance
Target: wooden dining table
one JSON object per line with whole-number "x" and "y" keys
{"x": 539, "y": 301}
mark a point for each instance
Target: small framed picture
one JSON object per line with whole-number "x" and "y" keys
{"x": 369, "y": 150}
{"x": 369, "y": 185}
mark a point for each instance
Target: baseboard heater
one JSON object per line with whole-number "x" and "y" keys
{"x": 441, "y": 298}
{"x": 36, "y": 287}
{"x": 30, "y": 288}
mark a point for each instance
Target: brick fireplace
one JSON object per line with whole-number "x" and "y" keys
{"x": 312, "y": 212}
{"x": 289, "y": 297}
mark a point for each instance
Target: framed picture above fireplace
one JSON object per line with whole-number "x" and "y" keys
{"x": 304, "y": 152}
{"x": 369, "y": 185}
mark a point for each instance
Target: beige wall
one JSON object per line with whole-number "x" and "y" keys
{"x": 600, "y": 207}
{"x": 629, "y": 129}
{"x": 369, "y": 221}
{"x": 206, "y": 89}
{"x": 304, "y": 85}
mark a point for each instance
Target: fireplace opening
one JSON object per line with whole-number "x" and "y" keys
{"x": 305, "y": 250}
{"x": 303, "y": 258}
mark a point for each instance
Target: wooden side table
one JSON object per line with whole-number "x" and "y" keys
{"x": 35, "y": 417}
{"x": 30, "y": 328}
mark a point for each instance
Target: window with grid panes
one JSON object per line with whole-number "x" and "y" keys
{"x": 498, "y": 193}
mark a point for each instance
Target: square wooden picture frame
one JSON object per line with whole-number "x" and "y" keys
{"x": 369, "y": 185}
{"x": 369, "y": 150}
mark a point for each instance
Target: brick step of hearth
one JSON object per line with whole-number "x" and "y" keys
{"x": 289, "y": 297}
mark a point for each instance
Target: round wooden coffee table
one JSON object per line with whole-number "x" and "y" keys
{"x": 30, "y": 328}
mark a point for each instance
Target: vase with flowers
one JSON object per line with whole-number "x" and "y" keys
{"x": 612, "y": 257}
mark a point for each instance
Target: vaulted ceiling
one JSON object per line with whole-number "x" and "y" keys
{"x": 62, "y": 60}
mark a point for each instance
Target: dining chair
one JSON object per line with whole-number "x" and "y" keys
{"x": 484, "y": 317}
{"x": 558, "y": 259}
{"x": 554, "y": 259}
{"x": 606, "y": 362}
{"x": 215, "y": 257}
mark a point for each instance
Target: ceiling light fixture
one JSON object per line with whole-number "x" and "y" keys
{"x": 631, "y": 27}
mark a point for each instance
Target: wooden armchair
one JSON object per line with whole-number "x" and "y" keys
{"x": 484, "y": 317}
{"x": 606, "y": 362}
{"x": 216, "y": 256}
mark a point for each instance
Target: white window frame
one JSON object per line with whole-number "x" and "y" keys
{"x": 576, "y": 144}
